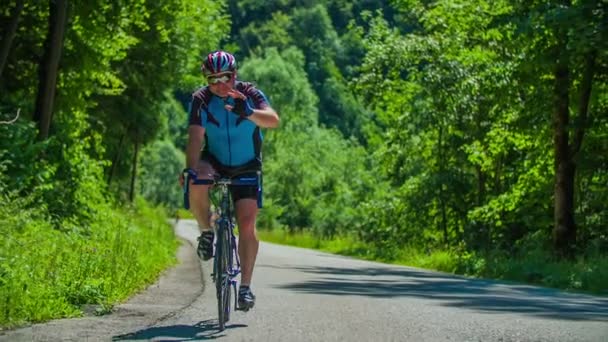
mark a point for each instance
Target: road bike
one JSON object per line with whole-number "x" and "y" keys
{"x": 226, "y": 264}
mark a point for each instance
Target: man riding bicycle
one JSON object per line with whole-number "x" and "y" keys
{"x": 224, "y": 138}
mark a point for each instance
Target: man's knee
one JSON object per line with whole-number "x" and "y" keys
{"x": 246, "y": 209}
{"x": 246, "y": 221}
{"x": 204, "y": 170}
{"x": 248, "y": 235}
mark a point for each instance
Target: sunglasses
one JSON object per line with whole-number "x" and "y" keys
{"x": 223, "y": 78}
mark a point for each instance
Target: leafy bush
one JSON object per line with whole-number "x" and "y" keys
{"x": 160, "y": 166}
{"x": 50, "y": 273}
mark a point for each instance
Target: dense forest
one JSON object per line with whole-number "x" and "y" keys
{"x": 473, "y": 125}
{"x": 473, "y": 128}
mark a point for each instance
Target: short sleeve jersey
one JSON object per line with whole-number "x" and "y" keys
{"x": 233, "y": 140}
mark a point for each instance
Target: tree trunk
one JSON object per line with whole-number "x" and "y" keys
{"x": 11, "y": 32}
{"x": 564, "y": 230}
{"x": 583, "y": 105}
{"x": 444, "y": 223}
{"x": 134, "y": 171}
{"x": 481, "y": 185}
{"x": 49, "y": 66}
{"x": 116, "y": 159}
{"x": 482, "y": 233}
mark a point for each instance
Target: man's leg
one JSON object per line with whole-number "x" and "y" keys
{"x": 246, "y": 213}
{"x": 199, "y": 206}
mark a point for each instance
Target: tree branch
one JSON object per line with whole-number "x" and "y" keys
{"x": 11, "y": 121}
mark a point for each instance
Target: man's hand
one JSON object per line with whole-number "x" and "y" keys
{"x": 241, "y": 106}
{"x": 190, "y": 172}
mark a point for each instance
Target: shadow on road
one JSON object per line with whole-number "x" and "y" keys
{"x": 454, "y": 291}
{"x": 204, "y": 330}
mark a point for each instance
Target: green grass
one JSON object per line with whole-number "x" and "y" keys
{"x": 183, "y": 214}
{"x": 338, "y": 245}
{"x": 48, "y": 273}
{"x": 584, "y": 274}
{"x": 588, "y": 274}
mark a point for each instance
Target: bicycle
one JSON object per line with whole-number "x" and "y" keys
{"x": 226, "y": 264}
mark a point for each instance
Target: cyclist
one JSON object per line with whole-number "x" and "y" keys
{"x": 224, "y": 137}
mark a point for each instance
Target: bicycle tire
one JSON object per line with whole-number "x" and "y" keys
{"x": 226, "y": 300}
{"x": 223, "y": 279}
{"x": 228, "y": 288}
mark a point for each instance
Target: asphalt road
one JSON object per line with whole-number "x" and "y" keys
{"x": 305, "y": 295}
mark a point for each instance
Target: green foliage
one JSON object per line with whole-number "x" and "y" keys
{"x": 159, "y": 167}
{"x": 314, "y": 34}
{"x": 16, "y": 154}
{"x": 319, "y": 186}
{"x": 50, "y": 273}
{"x": 283, "y": 80}
{"x": 272, "y": 33}
{"x": 309, "y": 29}
{"x": 411, "y": 131}
{"x": 165, "y": 58}
{"x": 75, "y": 191}
{"x": 313, "y": 177}
{"x": 533, "y": 264}
{"x": 119, "y": 60}
{"x": 63, "y": 245}
{"x": 460, "y": 126}
{"x": 70, "y": 189}
{"x": 174, "y": 118}
{"x": 341, "y": 245}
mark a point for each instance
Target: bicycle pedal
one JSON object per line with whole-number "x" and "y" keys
{"x": 245, "y": 308}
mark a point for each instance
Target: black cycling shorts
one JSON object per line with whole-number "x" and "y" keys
{"x": 249, "y": 169}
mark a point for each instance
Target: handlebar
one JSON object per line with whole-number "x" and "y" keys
{"x": 191, "y": 176}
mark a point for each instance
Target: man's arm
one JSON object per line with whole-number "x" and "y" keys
{"x": 265, "y": 117}
{"x": 196, "y": 136}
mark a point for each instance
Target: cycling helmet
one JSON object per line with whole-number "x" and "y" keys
{"x": 218, "y": 61}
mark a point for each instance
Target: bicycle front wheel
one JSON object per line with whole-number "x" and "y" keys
{"x": 223, "y": 277}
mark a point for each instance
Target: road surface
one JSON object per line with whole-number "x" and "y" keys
{"x": 306, "y": 295}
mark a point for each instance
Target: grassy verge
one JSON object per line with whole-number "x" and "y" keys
{"x": 586, "y": 274}
{"x": 183, "y": 214}
{"x": 48, "y": 273}
{"x": 338, "y": 245}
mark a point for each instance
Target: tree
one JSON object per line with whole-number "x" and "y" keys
{"x": 314, "y": 178}
{"x": 164, "y": 57}
{"x": 49, "y": 66}
{"x": 109, "y": 78}
{"x": 9, "y": 35}
{"x": 564, "y": 39}
{"x": 157, "y": 174}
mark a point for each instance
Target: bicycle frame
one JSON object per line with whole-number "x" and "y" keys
{"x": 226, "y": 264}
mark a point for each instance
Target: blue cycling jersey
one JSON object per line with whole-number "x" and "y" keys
{"x": 233, "y": 140}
